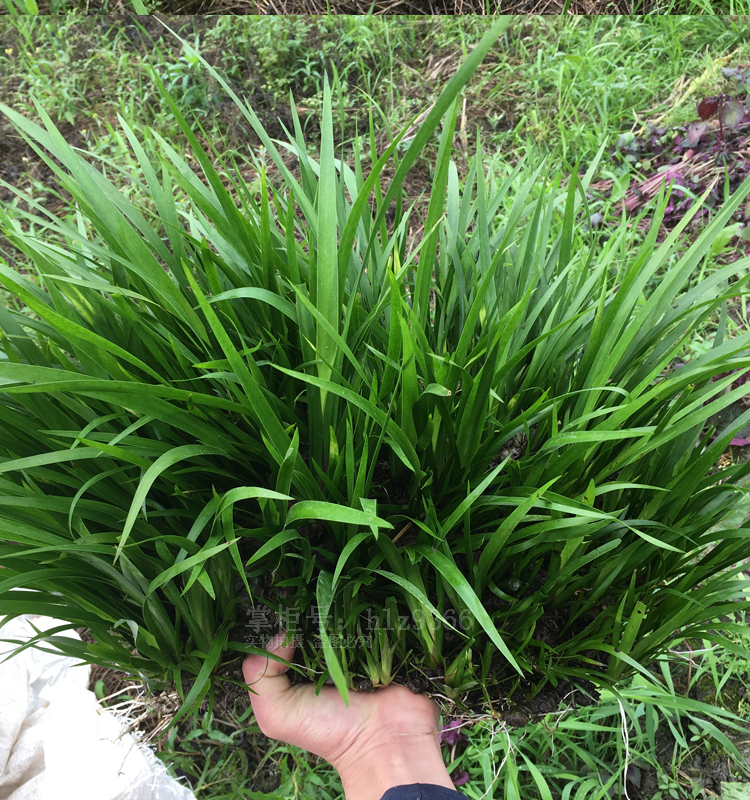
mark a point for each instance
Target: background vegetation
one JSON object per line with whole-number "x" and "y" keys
{"x": 559, "y": 88}
{"x": 379, "y": 7}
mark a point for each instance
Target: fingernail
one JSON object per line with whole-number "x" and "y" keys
{"x": 276, "y": 641}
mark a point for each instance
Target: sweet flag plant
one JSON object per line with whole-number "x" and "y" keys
{"x": 469, "y": 451}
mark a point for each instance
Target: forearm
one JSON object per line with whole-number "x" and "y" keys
{"x": 370, "y": 775}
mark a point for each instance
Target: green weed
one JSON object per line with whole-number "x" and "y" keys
{"x": 496, "y": 397}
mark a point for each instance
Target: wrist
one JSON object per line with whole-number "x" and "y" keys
{"x": 368, "y": 772}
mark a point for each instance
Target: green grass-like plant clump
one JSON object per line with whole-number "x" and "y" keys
{"x": 472, "y": 453}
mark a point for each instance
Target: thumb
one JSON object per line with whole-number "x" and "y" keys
{"x": 269, "y": 687}
{"x": 262, "y": 674}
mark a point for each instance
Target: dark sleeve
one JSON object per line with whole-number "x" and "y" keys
{"x": 422, "y": 791}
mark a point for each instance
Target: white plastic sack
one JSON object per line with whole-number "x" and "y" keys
{"x": 58, "y": 743}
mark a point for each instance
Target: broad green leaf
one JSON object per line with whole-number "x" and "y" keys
{"x": 161, "y": 464}
{"x": 201, "y": 685}
{"x": 451, "y": 573}
{"x": 324, "y": 594}
{"x": 186, "y": 564}
{"x": 330, "y": 512}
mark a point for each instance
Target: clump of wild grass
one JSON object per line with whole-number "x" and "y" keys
{"x": 475, "y": 452}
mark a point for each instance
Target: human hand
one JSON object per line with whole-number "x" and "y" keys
{"x": 383, "y": 739}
